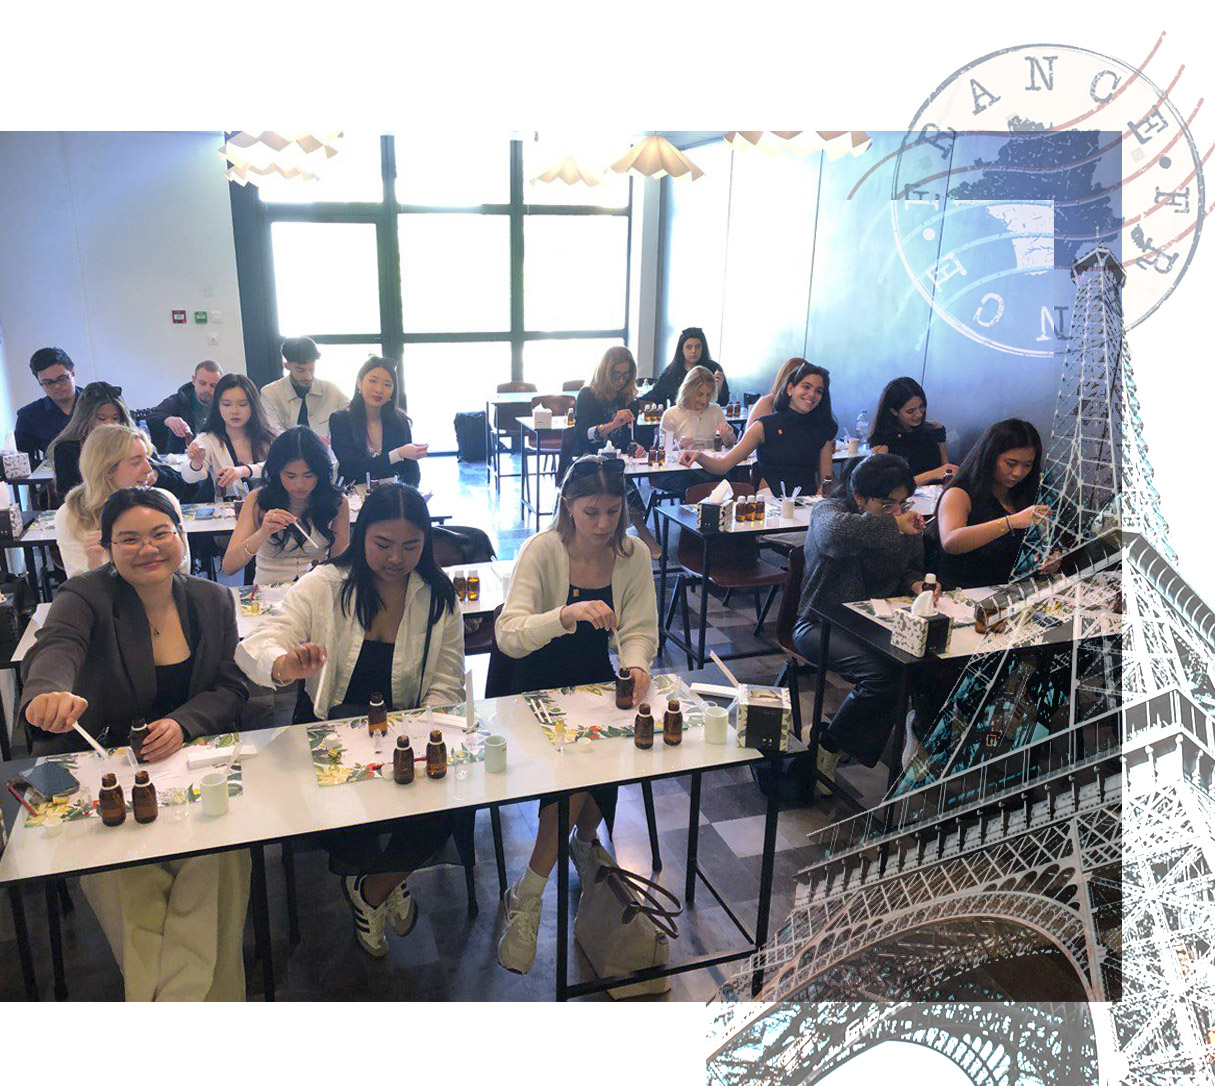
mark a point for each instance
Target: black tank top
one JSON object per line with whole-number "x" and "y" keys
{"x": 572, "y": 659}
{"x": 991, "y": 564}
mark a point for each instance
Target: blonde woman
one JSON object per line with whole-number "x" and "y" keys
{"x": 113, "y": 458}
{"x": 695, "y": 420}
{"x": 766, "y": 404}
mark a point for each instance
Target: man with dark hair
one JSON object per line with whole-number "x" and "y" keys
{"x": 177, "y": 418}
{"x": 300, "y": 398}
{"x": 39, "y": 423}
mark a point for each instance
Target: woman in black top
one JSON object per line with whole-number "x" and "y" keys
{"x": 692, "y": 350}
{"x": 794, "y": 445}
{"x": 373, "y": 435}
{"x": 604, "y": 409}
{"x": 900, "y": 427}
{"x": 97, "y": 404}
{"x": 986, "y": 508}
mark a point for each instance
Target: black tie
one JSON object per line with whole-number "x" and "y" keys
{"x": 302, "y": 393}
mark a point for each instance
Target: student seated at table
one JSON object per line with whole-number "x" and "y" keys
{"x": 379, "y": 618}
{"x": 985, "y": 509}
{"x": 301, "y": 398}
{"x": 40, "y": 422}
{"x": 297, "y": 491}
{"x": 766, "y": 404}
{"x": 691, "y": 350}
{"x": 98, "y": 404}
{"x": 113, "y": 458}
{"x": 863, "y": 543}
{"x": 604, "y": 409}
{"x": 577, "y": 586}
{"x": 794, "y": 445}
{"x": 695, "y": 421}
{"x": 233, "y": 441}
{"x": 900, "y": 427}
{"x": 139, "y": 638}
{"x": 178, "y": 417}
{"x": 373, "y": 436}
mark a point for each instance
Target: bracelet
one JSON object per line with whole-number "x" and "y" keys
{"x": 248, "y": 553}
{"x": 1008, "y": 526}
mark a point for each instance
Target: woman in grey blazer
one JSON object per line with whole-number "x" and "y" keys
{"x": 139, "y": 639}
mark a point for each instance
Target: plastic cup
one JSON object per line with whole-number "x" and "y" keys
{"x": 854, "y": 446}
{"x": 717, "y": 722}
{"x": 787, "y": 507}
{"x": 495, "y": 754}
{"x": 52, "y": 825}
{"x": 214, "y": 788}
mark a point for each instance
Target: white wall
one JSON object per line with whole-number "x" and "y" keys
{"x": 102, "y": 234}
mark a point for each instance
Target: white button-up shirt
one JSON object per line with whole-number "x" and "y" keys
{"x": 283, "y": 405}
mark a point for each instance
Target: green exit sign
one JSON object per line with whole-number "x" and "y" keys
{"x": 200, "y": 316}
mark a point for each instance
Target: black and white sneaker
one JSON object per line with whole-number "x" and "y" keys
{"x": 368, "y": 920}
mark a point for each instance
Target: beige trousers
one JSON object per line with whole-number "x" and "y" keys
{"x": 176, "y": 928}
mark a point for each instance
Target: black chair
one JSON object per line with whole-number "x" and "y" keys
{"x": 459, "y": 545}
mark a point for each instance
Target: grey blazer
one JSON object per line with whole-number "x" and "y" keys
{"x": 96, "y": 643}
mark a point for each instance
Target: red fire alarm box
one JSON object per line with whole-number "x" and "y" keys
{"x": 179, "y": 316}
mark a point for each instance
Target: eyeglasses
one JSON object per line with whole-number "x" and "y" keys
{"x": 888, "y": 506}
{"x": 158, "y": 538}
{"x": 62, "y": 379}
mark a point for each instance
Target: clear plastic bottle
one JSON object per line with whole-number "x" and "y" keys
{"x": 862, "y": 428}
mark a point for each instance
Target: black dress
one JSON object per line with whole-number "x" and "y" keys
{"x": 793, "y": 442}
{"x": 573, "y": 660}
{"x": 991, "y": 564}
{"x": 172, "y": 687}
{"x": 919, "y": 447}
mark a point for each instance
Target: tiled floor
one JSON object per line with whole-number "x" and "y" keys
{"x": 450, "y": 955}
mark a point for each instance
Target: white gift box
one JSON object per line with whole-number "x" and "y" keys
{"x": 15, "y": 465}
{"x": 916, "y": 635}
{"x": 764, "y": 717}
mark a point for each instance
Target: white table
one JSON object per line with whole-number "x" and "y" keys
{"x": 282, "y": 801}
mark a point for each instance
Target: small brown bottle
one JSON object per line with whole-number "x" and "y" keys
{"x": 569, "y": 417}
{"x": 377, "y": 716}
{"x": 672, "y": 724}
{"x": 402, "y": 761}
{"x": 461, "y": 585}
{"x": 474, "y": 585}
{"x": 719, "y": 443}
{"x": 143, "y": 799}
{"x": 111, "y": 802}
{"x": 624, "y": 689}
{"x": 643, "y": 727}
{"x": 138, "y": 733}
{"x": 436, "y": 756}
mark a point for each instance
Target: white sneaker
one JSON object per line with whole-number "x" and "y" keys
{"x": 368, "y": 920}
{"x": 826, "y": 765}
{"x": 588, "y": 857}
{"x": 517, "y": 947}
{"x": 402, "y": 910}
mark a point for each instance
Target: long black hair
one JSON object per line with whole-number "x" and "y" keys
{"x": 300, "y": 443}
{"x": 875, "y": 477}
{"x": 390, "y": 501}
{"x": 892, "y": 399}
{"x": 257, "y": 428}
{"x": 358, "y": 408}
{"x": 677, "y": 363}
{"x": 822, "y": 411}
{"x": 975, "y": 473}
{"x": 133, "y": 497}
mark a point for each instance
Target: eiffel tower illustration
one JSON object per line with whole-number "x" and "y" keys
{"x": 1063, "y": 802}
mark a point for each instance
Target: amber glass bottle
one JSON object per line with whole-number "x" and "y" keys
{"x": 143, "y": 799}
{"x": 138, "y": 733}
{"x": 436, "y": 756}
{"x": 377, "y": 716}
{"x": 460, "y": 585}
{"x": 672, "y": 724}
{"x": 643, "y": 727}
{"x": 402, "y": 761}
{"x": 111, "y": 802}
{"x": 474, "y": 585}
{"x": 624, "y": 689}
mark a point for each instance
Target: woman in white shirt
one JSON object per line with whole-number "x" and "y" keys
{"x": 379, "y": 618}
{"x": 296, "y": 519}
{"x": 112, "y": 458}
{"x": 234, "y": 439}
{"x": 577, "y": 586}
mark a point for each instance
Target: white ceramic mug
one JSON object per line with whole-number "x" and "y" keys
{"x": 214, "y": 788}
{"x": 495, "y": 754}
{"x": 717, "y": 722}
{"x": 787, "y": 508}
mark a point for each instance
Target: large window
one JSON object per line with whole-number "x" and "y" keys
{"x": 443, "y": 256}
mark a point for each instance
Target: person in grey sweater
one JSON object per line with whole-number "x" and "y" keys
{"x": 864, "y": 543}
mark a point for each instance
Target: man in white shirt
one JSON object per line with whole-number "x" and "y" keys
{"x": 300, "y": 399}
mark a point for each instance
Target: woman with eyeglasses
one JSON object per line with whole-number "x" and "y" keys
{"x": 234, "y": 439}
{"x": 794, "y": 445}
{"x": 900, "y": 426}
{"x": 864, "y": 542}
{"x": 137, "y": 638}
{"x": 98, "y": 404}
{"x": 692, "y": 350}
{"x": 380, "y": 618}
{"x": 987, "y": 507}
{"x": 373, "y": 437}
{"x": 579, "y": 588}
{"x": 113, "y": 458}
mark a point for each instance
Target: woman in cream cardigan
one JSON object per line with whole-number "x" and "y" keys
{"x": 576, "y": 587}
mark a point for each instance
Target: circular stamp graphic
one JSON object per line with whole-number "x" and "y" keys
{"x": 1023, "y": 160}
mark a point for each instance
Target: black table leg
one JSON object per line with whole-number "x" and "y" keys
{"x": 563, "y": 896}
{"x": 261, "y": 920}
{"x": 21, "y": 932}
{"x": 495, "y": 821}
{"x": 765, "y": 877}
{"x": 704, "y": 600}
{"x": 689, "y": 886}
{"x": 52, "y": 920}
{"x": 820, "y": 692}
{"x": 900, "y": 733}
{"x": 293, "y": 912}
{"x": 647, "y": 797}
{"x": 662, "y": 579}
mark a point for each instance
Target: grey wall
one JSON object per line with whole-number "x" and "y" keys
{"x": 781, "y": 256}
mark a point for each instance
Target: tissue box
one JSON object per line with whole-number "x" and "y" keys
{"x": 15, "y": 465}
{"x": 916, "y": 635}
{"x": 764, "y": 718}
{"x": 11, "y": 524}
{"x": 711, "y": 517}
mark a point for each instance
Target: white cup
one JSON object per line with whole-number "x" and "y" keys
{"x": 214, "y": 788}
{"x": 495, "y": 754}
{"x": 854, "y": 446}
{"x": 52, "y": 825}
{"x": 787, "y": 507}
{"x": 716, "y": 724}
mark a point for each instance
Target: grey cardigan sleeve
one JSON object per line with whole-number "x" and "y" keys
{"x": 841, "y": 534}
{"x": 218, "y": 708}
